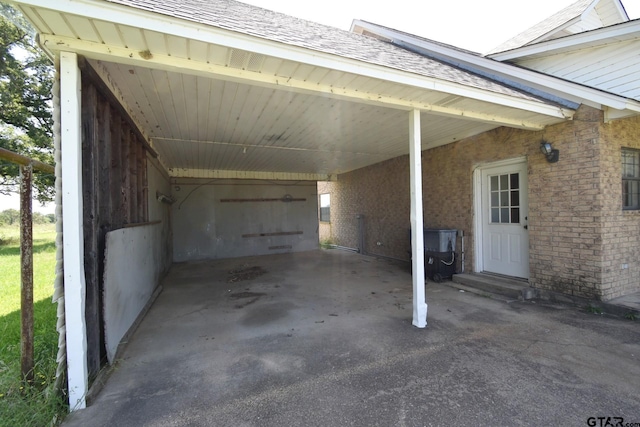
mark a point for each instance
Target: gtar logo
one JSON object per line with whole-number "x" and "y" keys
{"x": 605, "y": 421}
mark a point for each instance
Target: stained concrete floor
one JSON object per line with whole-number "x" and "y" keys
{"x": 325, "y": 339}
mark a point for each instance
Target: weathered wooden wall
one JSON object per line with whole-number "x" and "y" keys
{"x": 114, "y": 160}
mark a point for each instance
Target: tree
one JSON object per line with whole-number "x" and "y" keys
{"x": 9, "y": 217}
{"x": 26, "y": 120}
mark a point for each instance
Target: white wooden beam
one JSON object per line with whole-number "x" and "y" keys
{"x": 73, "y": 239}
{"x": 417, "y": 223}
{"x": 124, "y": 55}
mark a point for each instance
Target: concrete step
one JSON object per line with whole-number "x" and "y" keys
{"x": 511, "y": 288}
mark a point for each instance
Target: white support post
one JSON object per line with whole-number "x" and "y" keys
{"x": 73, "y": 239}
{"x": 417, "y": 237}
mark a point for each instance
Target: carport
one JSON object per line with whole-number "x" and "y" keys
{"x": 223, "y": 93}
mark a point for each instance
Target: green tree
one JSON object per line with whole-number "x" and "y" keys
{"x": 26, "y": 121}
{"x": 9, "y": 217}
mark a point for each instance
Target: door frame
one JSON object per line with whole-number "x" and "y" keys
{"x": 478, "y": 229}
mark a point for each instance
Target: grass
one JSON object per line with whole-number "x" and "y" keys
{"x": 327, "y": 244}
{"x": 38, "y": 404}
{"x": 593, "y": 309}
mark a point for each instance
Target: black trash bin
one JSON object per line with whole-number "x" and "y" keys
{"x": 439, "y": 265}
{"x": 439, "y": 253}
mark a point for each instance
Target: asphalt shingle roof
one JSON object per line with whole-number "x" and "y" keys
{"x": 540, "y": 29}
{"x": 278, "y": 27}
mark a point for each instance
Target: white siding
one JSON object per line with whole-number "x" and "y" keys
{"x": 614, "y": 67}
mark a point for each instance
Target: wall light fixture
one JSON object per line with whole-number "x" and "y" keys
{"x": 551, "y": 153}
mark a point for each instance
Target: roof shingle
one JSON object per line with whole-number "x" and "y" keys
{"x": 266, "y": 24}
{"x": 540, "y": 29}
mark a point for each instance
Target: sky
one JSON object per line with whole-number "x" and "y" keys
{"x": 476, "y": 25}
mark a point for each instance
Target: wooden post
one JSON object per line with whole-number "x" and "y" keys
{"x": 73, "y": 243}
{"x": 26, "y": 275}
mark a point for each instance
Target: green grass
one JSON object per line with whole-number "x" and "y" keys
{"x": 38, "y": 404}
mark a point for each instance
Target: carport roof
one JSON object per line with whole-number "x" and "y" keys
{"x": 275, "y": 26}
{"x": 222, "y": 89}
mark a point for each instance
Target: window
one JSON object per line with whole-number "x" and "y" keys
{"x": 325, "y": 207}
{"x": 505, "y": 198}
{"x": 630, "y": 179}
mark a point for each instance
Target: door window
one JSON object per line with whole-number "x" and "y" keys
{"x": 505, "y": 198}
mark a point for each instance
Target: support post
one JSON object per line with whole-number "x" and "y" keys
{"x": 417, "y": 236}
{"x": 26, "y": 275}
{"x": 73, "y": 237}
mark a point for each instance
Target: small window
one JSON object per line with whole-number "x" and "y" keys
{"x": 505, "y": 198}
{"x": 630, "y": 179}
{"x": 325, "y": 207}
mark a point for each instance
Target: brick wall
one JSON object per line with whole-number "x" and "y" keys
{"x": 380, "y": 193}
{"x": 621, "y": 229}
{"x": 577, "y": 231}
{"x": 565, "y": 210}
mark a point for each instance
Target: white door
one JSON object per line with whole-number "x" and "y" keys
{"x": 505, "y": 239}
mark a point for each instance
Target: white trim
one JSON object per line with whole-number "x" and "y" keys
{"x": 478, "y": 265}
{"x": 600, "y": 36}
{"x": 417, "y": 222}
{"x": 73, "y": 239}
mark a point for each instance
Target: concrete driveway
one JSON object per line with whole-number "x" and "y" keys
{"x": 325, "y": 339}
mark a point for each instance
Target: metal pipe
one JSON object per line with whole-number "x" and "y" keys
{"x": 24, "y": 161}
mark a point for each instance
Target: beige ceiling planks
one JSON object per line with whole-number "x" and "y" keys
{"x": 202, "y": 105}
{"x": 133, "y": 38}
{"x": 155, "y": 42}
{"x": 107, "y": 31}
{"x": 198, "y": 51}
{"x": 177, "y": 47}
{"x": 34, "y": 16}
{"x": 84, "y": 28}
{"x": 154, "y": 90}
{"x": 56, "y": 22}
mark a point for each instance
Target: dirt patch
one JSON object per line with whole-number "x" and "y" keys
{"x": 246, "y": 273}
{"x": 247, "y": 297}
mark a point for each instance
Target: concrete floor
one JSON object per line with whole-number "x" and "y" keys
{"x": 325, "y": 339}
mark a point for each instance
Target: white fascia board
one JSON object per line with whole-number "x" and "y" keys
{"x": 611, "y": 114}
{"x": 124, "y": 15}
{"x": 621, "y": 10}
{"x": 597, "y": 37}
{"x": 513, "y": 75}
